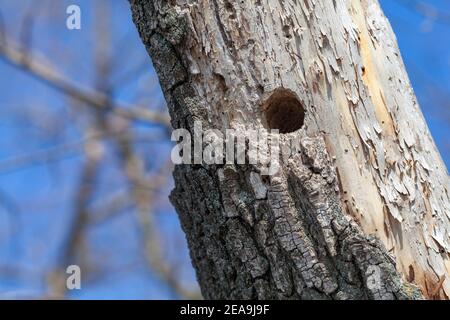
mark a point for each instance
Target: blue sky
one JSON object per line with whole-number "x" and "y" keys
{"x": 37, "y": 200}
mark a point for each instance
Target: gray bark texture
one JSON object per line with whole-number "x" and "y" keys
{"x": 361, "y": 209}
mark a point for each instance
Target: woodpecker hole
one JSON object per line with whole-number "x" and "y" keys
{"x": 284, "y": 111}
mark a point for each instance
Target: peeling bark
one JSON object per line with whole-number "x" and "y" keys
{"x": 361, "y": 211}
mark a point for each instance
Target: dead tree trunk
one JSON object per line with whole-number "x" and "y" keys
{"x": 362, "y": 209}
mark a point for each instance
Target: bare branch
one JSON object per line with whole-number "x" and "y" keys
{"x": 427, "y": 10}
{"x": 43, "y": 71}
{"x": 74, "y": 243}
{"x": 134, "y": 169}
{"x": 2, "y": 29}
{"x": 40, "y": 157}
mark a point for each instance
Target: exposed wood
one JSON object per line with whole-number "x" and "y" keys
{"x": 367, "y": 183}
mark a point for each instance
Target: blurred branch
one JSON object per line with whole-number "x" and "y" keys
{"x": 45, "y": 72}
{"x": 143, "y": 187}
{"x": 131, "y": 74}
{"x": 140, "y": 184}
{"x": 40, "y": 157}
{"x": 72, "y": 247}
{"x": 12, "y": 208}
{"x": 26, "y": 28}
{"x": 2, "y": 29}
{"x": 427, "y": 10}
{"x": 111, "y": 207}
{"x": 59, "y": 152}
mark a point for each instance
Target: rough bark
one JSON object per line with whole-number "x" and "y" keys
{"x": 362, "y": 209}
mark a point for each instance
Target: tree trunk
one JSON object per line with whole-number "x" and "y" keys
{"x": 361, "y": 210}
